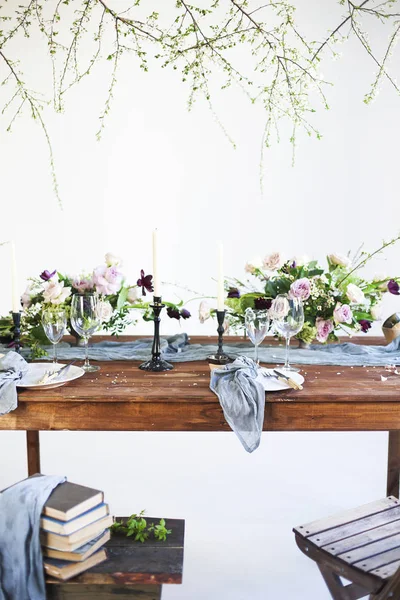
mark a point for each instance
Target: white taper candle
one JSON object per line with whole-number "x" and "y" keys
{"x": 156, "y": 281}
{"x": 221, "y": 290}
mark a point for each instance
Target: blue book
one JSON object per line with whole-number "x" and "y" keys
{"x": 68, "y": 527}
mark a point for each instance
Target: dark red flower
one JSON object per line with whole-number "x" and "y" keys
{"x": 262, "y": 303}
{"x": 46, "y": 275}
{"x": 185, "y": 314}
{"x": 173, "y": 313}
{"x": 365, "y": 325}
{"x": 145, "y": 282}
{"x": 394, "y": 287}
{"x": 233, "y": 293}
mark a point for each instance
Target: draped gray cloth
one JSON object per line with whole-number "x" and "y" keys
{"x": 178, "y": 349}
{"x": 21, "y": 562}
{"x": 242, "y": 398}
{"x": 12, "y": 368}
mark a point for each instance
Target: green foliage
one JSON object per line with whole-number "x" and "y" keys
{"x": 136, "y": 527}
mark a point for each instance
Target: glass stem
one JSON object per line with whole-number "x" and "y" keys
{"x": 54, "y": 354}
{"x": 256, "y": 353}
{"x": 287, "y": 352}
{"x": 86, "y": 352}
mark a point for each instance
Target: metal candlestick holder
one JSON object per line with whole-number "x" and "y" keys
{"x": 156, "y": 363}
{"x": 220, "y": 358}
{"x": 16, "y": 316}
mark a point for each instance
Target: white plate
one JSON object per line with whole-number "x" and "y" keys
{"x": 271, "y": 384}
{"x": 36, "y": 372}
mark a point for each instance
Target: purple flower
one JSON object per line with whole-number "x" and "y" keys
{"x": 174, "y": 313}
{"x": 324, "y": 328}
{"x": 262, "y": 303}
{"x": 108, "y": 280}
{"x": 233, "y": 293}
{"x": 46, "y": 275}
{"x": 145, "y": 283}
{"x": 185, "y": 314}
{"x": 301, "y": 288}
{"x": 393, "y": 287}
{"x": 365, "y": 325}
{"x": 342, "y": 313}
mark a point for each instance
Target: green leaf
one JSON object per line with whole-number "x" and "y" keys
{"x": 122, "y": 297}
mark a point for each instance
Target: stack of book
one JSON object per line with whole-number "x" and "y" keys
{"x": 74, "y": 527}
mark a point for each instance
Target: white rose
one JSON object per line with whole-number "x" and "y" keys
{"x": 204, "y": 311}
{"x": 377, "y": 312}
{"x": 339, "y": 259}
{"x": 104, "y": 311}
{"x": 354, "y": 294}
{"x": 112, "y": 260}
{"x": 300, "y": 260}
{"x": 252, "y": 265}
{"x": 55, "y": 292}
{"x": 273, "y": 261}
{"x": 26, "y": 298}
{"x": 133, "y": 294}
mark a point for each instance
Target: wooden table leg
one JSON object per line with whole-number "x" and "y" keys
{"x": 393, "y": 470}
{"x": 33, "y": 452}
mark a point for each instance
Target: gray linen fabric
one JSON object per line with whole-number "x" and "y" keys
{"x": 12, "y": 368}
{"x": 178, "y": 349}
{"x": 21, "y": 562}
{"x": 242, "y": 398}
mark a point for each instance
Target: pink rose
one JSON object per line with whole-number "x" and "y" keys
{"x": 324, "y": 328}
{"x": 82, "y": 284}
{"x": 342, "y": 313}
{"x": 273, "y": 261}
{"x": 55, "y": 292}
{"x": 301, "y": 288}
{"x": 108, "y": 280}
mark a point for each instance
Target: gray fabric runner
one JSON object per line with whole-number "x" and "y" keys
{"x": 179, "y": 349}
{"x": 242, "y": 398}
{"x": 12, "y": 368}
{"x": 21, "y": 562}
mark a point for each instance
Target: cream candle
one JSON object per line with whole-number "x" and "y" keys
{"x": 156, "y": 281}
{"x": 221, "y": 290}
{"x": 15, "y": 300}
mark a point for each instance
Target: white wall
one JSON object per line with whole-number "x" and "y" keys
{"x": 158, "y": 165}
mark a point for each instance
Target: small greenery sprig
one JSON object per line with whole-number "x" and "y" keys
{"x": 136, "y": 527}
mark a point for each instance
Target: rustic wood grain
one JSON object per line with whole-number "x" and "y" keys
{"x": 69, "y": 591}
{"x": 33, "y": 452}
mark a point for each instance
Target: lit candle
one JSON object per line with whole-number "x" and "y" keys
{"x": 156, "y": 281}
{"x": 221, "y": 290}
{"x": 15, "y": 301}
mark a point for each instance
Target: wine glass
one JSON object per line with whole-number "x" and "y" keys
{"x": 288, "y": 315}
{"x": 257, "y": 325}
{"x": 54, "y": 322}
{"x": 85, "y": 321}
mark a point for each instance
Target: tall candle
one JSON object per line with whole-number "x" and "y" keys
{"x": 221, "y": 290}
{"x": 156, "y": 281}
{"x": 15, "y": 301}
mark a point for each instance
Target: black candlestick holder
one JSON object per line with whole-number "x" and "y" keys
{"x": 220, "y": 358}
{"x": 156, "y": 363}
{"x": 16, "y": 316}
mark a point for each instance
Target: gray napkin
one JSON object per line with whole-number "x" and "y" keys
{"x": 12, "y": 368}
{"x": 242, "y": 398}
{"x": 21, "y": 561}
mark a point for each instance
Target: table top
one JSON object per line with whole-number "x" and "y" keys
{"x": 122, "y": 397}
{"x": 129, "y": 562}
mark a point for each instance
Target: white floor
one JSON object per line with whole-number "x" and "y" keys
{"x": 239, "y": 508}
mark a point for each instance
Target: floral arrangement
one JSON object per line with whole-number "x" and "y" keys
{"x": 117, "y": 300}
{"x": 336, "y": 298}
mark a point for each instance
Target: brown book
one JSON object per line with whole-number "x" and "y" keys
{"x": 69, "y": 500}
{"x": 81, "y": 553}
{"x": 63, "y": 569}
{"x": 78, "y": 538}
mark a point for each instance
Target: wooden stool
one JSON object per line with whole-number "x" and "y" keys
{"x": 360, "y": 545}
{"x": 133, "y": 570}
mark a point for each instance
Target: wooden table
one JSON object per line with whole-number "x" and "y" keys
{"x": 123, "y": 398}
{"x": 132, "y": 569}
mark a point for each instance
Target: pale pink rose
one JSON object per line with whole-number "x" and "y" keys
{"x": 324, "y": 328}
{"x": 204, "y": 311}
{"x": 55, "y": 292}
{"x": 279, "y": 308}
{"x": 355, "y": 294}
{"x": 83, "y": 283}
{"x": 301, "y": 288}
{"x": 133, "y": 294}
{"x": 273, "y": 262}
{"x": 342, "y": 313}
{"x": 26, "y": 298}
{"x": 104, "y": 311}
{"x": 377, "y": 312}
{"x": 253, "y": 264}
{"x": 112, "y": 260}
{"x": 108, "y": 280}
{"x": 339, "y": 259}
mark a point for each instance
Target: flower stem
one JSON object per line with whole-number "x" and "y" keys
{"x": 365, "y": 260}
